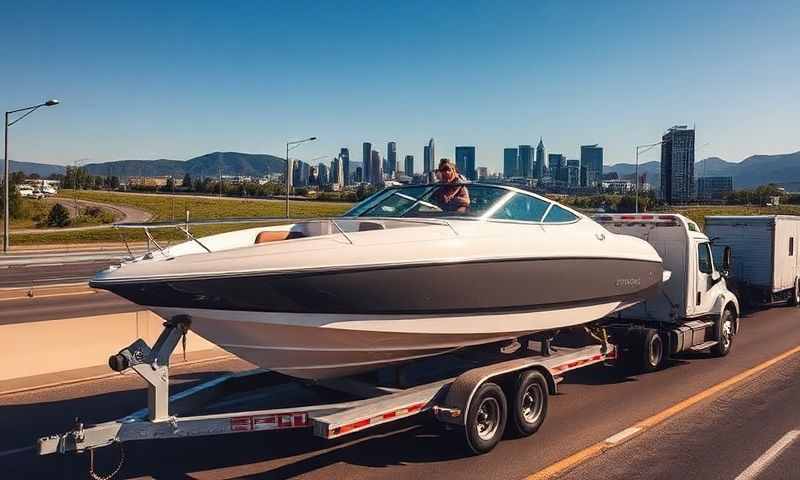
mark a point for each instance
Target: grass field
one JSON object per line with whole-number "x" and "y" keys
{"x": 162, "y": 207}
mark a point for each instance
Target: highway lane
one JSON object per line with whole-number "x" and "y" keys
{"x": 60, "y": 307}
{"x": 53, "y": 271}
{"x": 594, "y": 404}
{"x": 723, "y": 439}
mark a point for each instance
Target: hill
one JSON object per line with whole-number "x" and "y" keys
{"x": 751, "y": 172}
{"x": 41, "y": 169}
{"x": 210, "y": 164}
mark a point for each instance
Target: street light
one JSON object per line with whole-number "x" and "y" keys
{"x": 289, "y": 147}
{"x": 6, "y": 176}
{"x": 638, "y": 148}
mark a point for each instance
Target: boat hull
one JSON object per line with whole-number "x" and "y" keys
{"x": 327, "y": 346}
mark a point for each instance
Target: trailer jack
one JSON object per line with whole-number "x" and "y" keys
{"x": 152, "y": 364}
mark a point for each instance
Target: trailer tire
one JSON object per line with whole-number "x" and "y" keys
{"x": 652, "y": 350}
{"x": 529, "y": 404}
{"x": 486, "y": 418}
{"x": 794, "y": 298}
{"x": 725, "y": 327}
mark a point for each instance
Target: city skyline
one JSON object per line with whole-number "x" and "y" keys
{"x": 209, "y": 94}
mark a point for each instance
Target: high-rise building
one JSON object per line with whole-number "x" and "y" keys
{"x": 429, "y": 157}
{"x": 510, "y": 163}
{"x": 714, "y": 188}
{"x": 344, "y": 156}
{"x": 409, "y": 166}
{"x": 336, "y": 174}
{"x": 554, "y": 162}
{"x": 359, "y": 175}
{"x": 391, "y": 156}
{"x": 592, "y": 159}
{"x": 323, "y": 174}
{"x": 366, "y": 156}
{"x": 526, "y": 161}
{"x": 539, "y": 166}
{"x": 300, "y": 173}
{"x": 376, "y": 168}
{"x": 465, "y": 162}
{"x": 677, "y": 165}
{"x": 483, "y": 172}
{"x": 313, "y": 176}
{"x": 573, "y": 173}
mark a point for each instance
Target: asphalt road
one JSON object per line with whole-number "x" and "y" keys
{"x": 719, "y": 437}
{"x": 25, "y": 275}
{"x": 67, "y": 306}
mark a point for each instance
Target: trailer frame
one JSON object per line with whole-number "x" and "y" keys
{"x": 449, "y": 398}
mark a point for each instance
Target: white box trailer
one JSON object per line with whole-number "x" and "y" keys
{"x": 765, "y": 266}
{"x": 692, "y": 310}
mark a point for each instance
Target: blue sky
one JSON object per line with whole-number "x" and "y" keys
{"x": 176, "y": 80}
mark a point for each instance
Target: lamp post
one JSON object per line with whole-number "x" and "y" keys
{"x": 7, "y": 177}
{"x": 289, "y": 147}
{"x": 638, "y": 149}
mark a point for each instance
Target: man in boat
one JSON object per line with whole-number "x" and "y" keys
{"x": 453, "y": 198}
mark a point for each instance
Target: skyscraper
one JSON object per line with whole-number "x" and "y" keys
{"x": 323, "y": 175}
{"x": 336, "y": 170}
{"x": 592, "y": 160}
{"x": 409, "y": 166}
{"x": 465, "y": 162}
{"x": 525, "y": 161}
{"x": 429, "y": 159}
{"x": 677, "y": 165}
{"x": 344, "y": 157}
{"x": 366, "y": 157}
{"x": 539, "y": 170}
{"x": 391, "y": 156}
{"x": 510, "y": 166}
{"x": 573, "y": 173}
{"x": 376, "y": 168}
{"x": 557, "y": 165}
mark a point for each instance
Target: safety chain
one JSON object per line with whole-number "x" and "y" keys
{"x": 111, "y": 475}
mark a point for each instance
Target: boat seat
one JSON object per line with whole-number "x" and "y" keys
{"x": 276, "y": 236}
{"x": 367, "y": 226}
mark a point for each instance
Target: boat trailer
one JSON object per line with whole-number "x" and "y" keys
{"x": 475, "y": 395}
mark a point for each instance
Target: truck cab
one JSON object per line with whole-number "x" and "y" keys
{"x": 693, "y": 309}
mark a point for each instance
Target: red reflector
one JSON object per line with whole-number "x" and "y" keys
{"x": 666, "y": 217}
{"x": 628, "y": 217}
{"x": 646, "y": 217}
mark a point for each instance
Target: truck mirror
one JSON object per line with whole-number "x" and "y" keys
{"x": 726, "y": 259}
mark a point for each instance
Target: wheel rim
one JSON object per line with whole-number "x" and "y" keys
{"x": 655, "y": 351}
{"x": 532, "y": 403}
{"x": 488, "y": 418}
{"x": 727, "y": 329}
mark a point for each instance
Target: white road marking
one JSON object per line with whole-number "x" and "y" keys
{"x": 769, "y": 456}
{"x": 36, "y": 265}
{"x": 623, "y": 435}
{"x": 15, "y": 451}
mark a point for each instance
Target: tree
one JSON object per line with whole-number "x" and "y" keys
{"x": 15, "y": 209}
{"x": 17, "y": 178}
{"x": 187, "y": 181}
{"x": 58, "y": 217}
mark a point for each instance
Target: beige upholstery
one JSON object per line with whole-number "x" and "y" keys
{"x": 273, "y": 236}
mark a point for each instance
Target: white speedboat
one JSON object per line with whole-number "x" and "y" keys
{"x": 396, "y": 278}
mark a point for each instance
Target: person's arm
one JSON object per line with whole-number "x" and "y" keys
{"x": 462, "y": 200}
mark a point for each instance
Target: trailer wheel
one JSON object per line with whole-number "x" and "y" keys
{"x": 652, "y": 349}
{"x": 794, "y": 299}
{"x": 486, "y": 419}
{"x": 725, "y": 329}
{"x": 529, "y": 405}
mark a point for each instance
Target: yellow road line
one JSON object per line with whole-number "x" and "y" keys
{"x": 592, "y": 451}
{"x": 48, "y": 295}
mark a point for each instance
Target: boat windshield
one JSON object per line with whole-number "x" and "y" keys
{"x": 431, "y": 201}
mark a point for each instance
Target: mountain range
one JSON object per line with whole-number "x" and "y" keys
{"x": 751, "y": 172}
{"x": 755, "y": 170}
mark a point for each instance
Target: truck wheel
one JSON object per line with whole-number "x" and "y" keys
{"x": 794, "y": 298}
{"x": 725, "y": 329}
{"x": 529, "y": 405}
{"x": 486, "y": 419}
{"x": 652, "y": 357}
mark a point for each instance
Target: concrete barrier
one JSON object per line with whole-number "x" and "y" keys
{"x": 39, "y": 348}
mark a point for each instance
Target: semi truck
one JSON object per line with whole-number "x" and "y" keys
{"x": 692, "y": 311}
{"x": 765, "y": 265}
